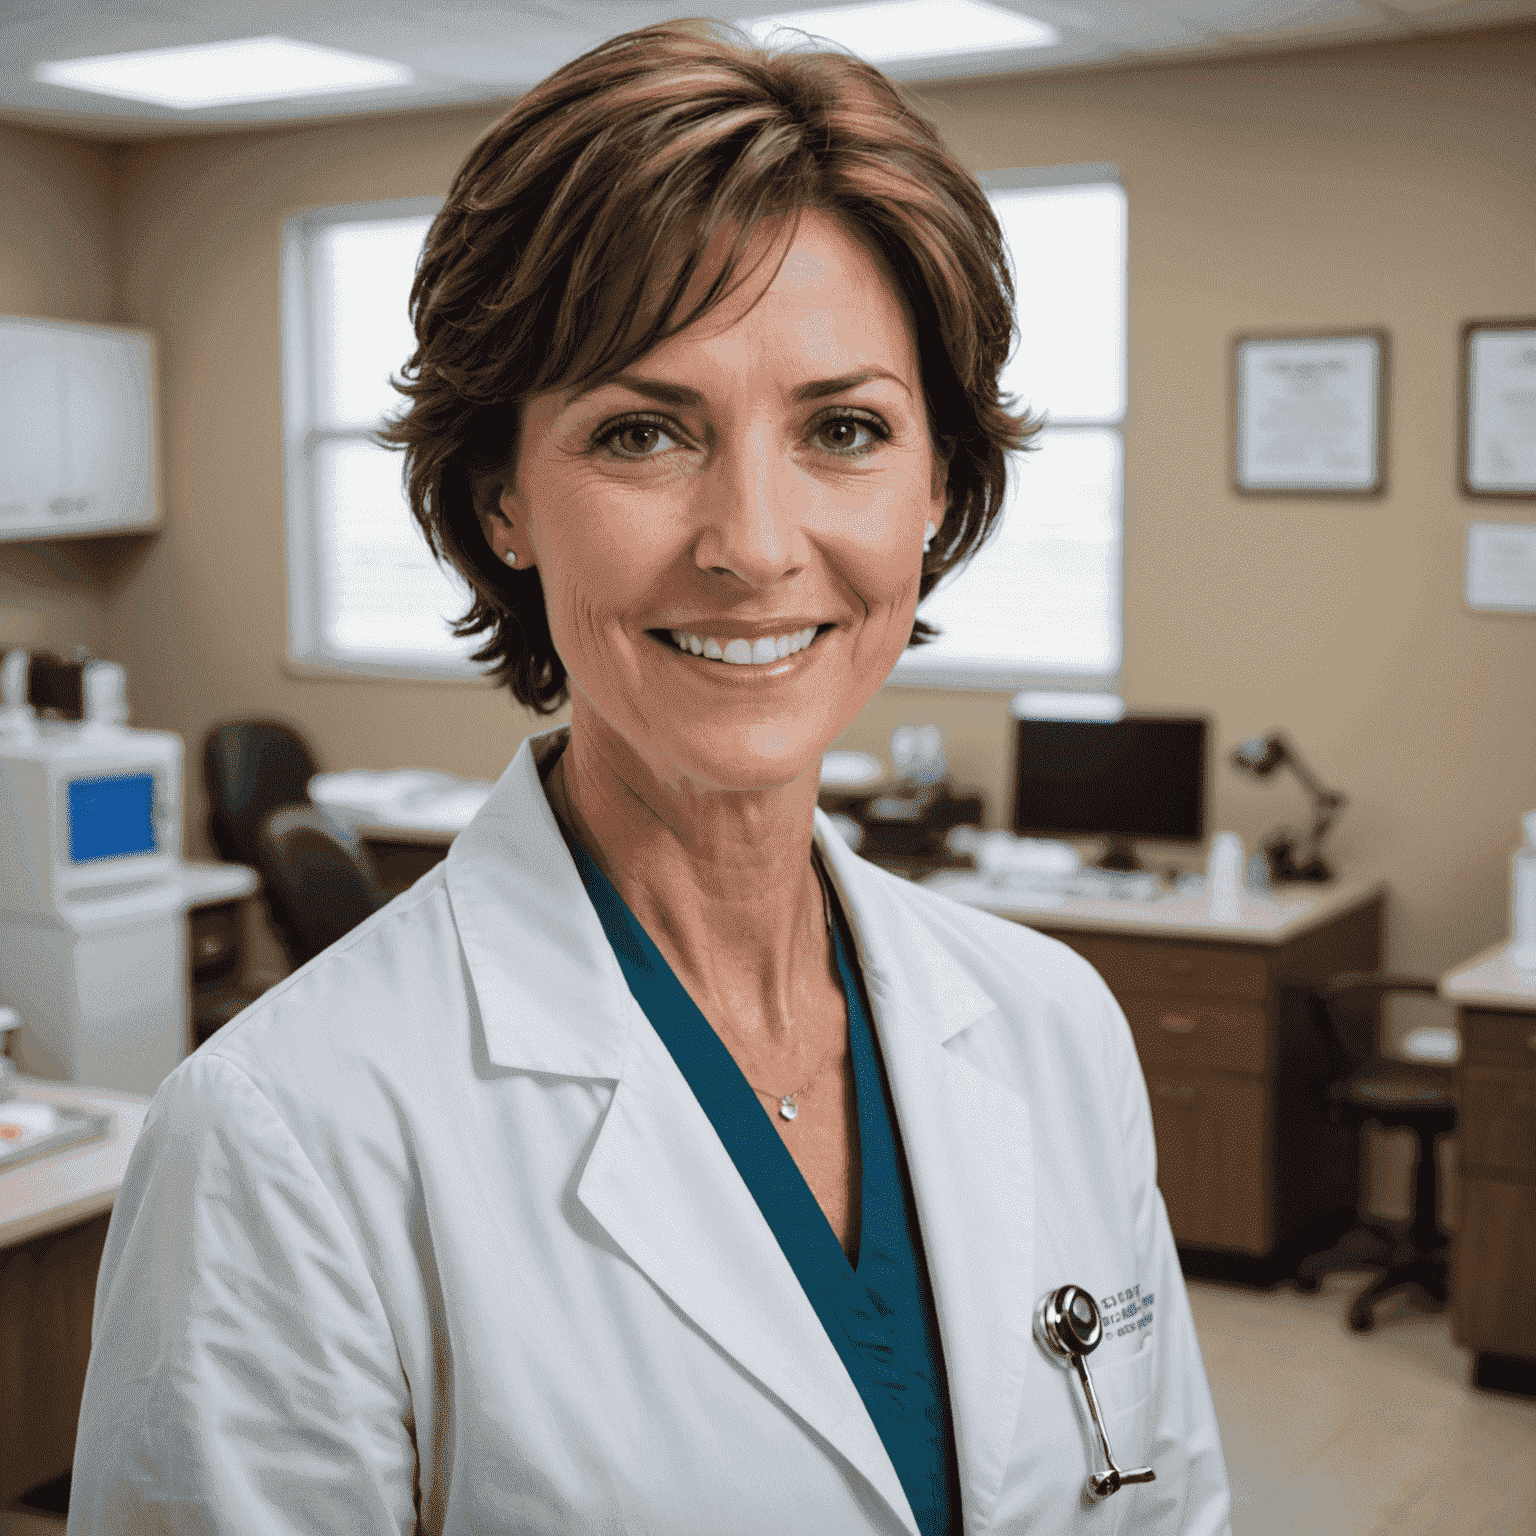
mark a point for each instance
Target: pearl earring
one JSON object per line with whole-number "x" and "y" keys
{"x": 928, "y": 534}
{"x": 510, "y": 557}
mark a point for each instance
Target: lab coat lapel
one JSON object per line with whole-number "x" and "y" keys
{"x": 552, "y": 998}
{"x": 969, "y": 1149}
{"x": 663, "y": 1187}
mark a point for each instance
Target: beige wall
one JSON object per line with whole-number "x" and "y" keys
{"x": 57, "y": 259}
{"x": 1383, "y": 186}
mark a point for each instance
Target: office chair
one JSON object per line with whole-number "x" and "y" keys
{"x": 317, "y": 869}
{"x": 250, "y": 769}
{"x": 1366, "y": 1086}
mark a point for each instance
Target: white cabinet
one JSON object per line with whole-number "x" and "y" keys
{"x": 77, "y": 429}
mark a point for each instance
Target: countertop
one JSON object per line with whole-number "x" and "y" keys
{"x": 78, "y": 1182}
{"x": 1276, "y": 918}
{"x": 1490, "y": 980}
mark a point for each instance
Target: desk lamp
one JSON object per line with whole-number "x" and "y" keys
{"x": 1290, "y": 856}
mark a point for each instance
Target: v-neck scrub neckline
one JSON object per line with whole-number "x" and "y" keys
{"x": 878, "y": 1311}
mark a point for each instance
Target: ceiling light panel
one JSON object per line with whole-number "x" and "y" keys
{"x": 221, "y": 74}
{"x": 890, "y": 30}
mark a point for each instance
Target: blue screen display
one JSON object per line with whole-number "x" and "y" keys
{"x": 109, "y": 818}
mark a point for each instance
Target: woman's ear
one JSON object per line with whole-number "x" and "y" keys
{"x": 496, "y": 509}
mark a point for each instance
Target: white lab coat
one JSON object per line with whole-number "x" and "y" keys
{"x": 435, "y": 1237}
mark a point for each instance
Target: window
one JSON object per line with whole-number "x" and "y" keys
{"x": 364, "y": 593}
{"x": 1039, "y": 606}
{"x": 1041, "y": 603}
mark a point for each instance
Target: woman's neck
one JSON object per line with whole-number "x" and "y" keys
{"x": 721, "y": 881}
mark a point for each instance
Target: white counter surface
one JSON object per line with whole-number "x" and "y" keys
{"x": 1490, "y": 980}
{"x": 79, "y": 1182}
{"x": 1274, "y": 919}
{"x": 204, "y": 882}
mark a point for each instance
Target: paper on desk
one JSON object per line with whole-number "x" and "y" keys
{"x": 405, "y": 797}
{"x": 29, "y": 1129}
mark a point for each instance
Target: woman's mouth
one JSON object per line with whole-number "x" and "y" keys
{"x": 738, "y": 652}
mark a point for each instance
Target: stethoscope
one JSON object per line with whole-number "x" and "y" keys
{"x": 1067, "y": 1326}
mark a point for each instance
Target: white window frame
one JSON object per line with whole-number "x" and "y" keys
{"x": 912, "y": 670}
{"x": 303, "y": 434}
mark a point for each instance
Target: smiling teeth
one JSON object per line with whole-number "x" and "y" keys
{"x": 743, "y": 653}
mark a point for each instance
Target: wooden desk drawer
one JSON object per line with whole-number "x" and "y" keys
{"x": 1497, "y": 1118}
{"x": 1212, "y": 1134}
{"x": 1181, "y": 1032}
{"x": 1490, "y": 1039}
{"x": 399, "y": 865}
{"x": 1163, "y": 966}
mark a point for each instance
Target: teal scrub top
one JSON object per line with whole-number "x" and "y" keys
{"x": 878, "y": 1310}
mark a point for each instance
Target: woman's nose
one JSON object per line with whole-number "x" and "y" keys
{"x": 751, "y": 523}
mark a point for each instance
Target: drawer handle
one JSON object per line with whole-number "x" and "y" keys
{"x": 1180, "y": 1093}
{"x": 1178, "y": 1023}
{"x": 1178, "y": 963}
{"x": 208, "y": 947}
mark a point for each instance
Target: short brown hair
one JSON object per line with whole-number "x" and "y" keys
{"x": 609, "y": 180}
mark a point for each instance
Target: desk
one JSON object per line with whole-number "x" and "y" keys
{"x": 406, "y": 818}
{"x": 402, "y": 855}
{"x": 1493, "y": 1277}
{"x": 53, "y": 1222}
{"x": 1253, "y": 1176}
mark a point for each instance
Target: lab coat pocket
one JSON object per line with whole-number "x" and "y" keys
{"x": 1124, "y": 1385}
{"x": 1124, "y": 1389}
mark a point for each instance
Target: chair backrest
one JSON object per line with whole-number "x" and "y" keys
{"x": 320, "y": 875}
{"x": 1345, "y": 1009}
{"x": 250, "y": 768}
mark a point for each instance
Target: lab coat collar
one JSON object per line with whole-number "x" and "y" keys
{"x": 550, "y": 994}
{"x": 524, "y": 918}
{"x": 552, "y": 998}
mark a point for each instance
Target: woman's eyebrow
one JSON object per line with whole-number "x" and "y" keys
{"x": 680, "y": 394}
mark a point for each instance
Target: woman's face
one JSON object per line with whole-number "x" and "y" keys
{"x": 729, "y": 534}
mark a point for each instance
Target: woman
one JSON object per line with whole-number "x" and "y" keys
{"x": 655, "y": 1164}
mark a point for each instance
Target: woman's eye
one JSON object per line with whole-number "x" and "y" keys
{"x": 636, "y": 439}
{"x": 849, "y": 434}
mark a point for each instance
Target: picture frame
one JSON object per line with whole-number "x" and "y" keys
{"x": 1501, "y": 568}
{"x": 1498, "y": 409}
{"x": 1309, "y": 412}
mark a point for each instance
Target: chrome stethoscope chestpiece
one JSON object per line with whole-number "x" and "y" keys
{"x": 1068, "y": 1328}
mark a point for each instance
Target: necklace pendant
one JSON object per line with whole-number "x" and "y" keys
{"x": 787, "y": 1106}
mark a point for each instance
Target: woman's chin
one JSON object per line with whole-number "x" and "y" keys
{"x": 757, "y": 759}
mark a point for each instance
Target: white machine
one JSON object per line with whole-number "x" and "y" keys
{"x": 92, "y": 912}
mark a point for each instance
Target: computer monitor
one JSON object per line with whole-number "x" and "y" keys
{"x": 1136, "y": 776}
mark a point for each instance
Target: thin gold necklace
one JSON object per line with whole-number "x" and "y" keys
{"x": 788, "y": 1108}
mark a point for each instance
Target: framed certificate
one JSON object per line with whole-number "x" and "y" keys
{"x": 1501, "y": 567}
{"x": 1309, "y": 414}
{"x": 1498, "y": 408}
